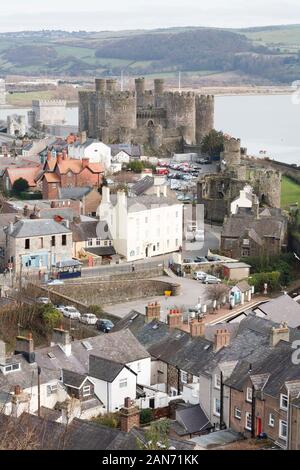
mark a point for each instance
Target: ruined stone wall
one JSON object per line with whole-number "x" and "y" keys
{"x": 267, "y": 185}
{"x": 232, "y": 152}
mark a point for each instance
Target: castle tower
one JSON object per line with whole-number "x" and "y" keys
{"x": 111, "y": 85}
{"x": 87, "y": 112}
{"x": 232, "y": 152}
{"x": 116, "y": 116}
{"x": 180, "y": 112}
{"x": 100, "y": 84}
{"x": 266, "y": 183}
{"x": 205, "y": 109}
{"x": 159, "y": 84}
{"x": 140, "y": 91}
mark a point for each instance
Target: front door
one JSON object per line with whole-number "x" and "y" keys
{"x": 258, "y": 426}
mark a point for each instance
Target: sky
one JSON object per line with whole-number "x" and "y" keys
{"x": 100, "y": 15}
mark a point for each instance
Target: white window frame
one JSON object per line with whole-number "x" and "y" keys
{"x": 173, "y": 392}
{"x": 282, "y": 398}
{"x": 217, "y": 382}
{"x": 98, "y": 241}
{"x": 89, "y": 242}
{"x": 248, "y": 415}
{"x": 216, "y": 412}
{"x": 184, "y": 377}
{"x": 281, "y": 421}
{"x": 51, "y": 388}
{"x": 9, "y": 368}
{"x": 86, "y": 391}
{"x": 249, "y": 395}
{"x": 237, "y": 413}
{"x": 123, "y": 383}
{"x": 271, "y": 420}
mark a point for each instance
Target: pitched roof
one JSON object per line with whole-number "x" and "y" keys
{"x": 76, "y": 166}
{"x": 121, "y": 346}
{"x": 37, "y": 227}
{"x": 77, "y": 192}
{"x": 73, "y": 378}
{"x": 90, "y": 229}
{"x": 29, "y": 174}
{"x": 243, "y": 286}
{"x": 238, "y": 224}
{"x": 192, "y": 419}
{"x": 282, "y": 309}
{"x": 104, "y": 369}
{"x": 142, "y": 185}
{"x": 51, "y": 177}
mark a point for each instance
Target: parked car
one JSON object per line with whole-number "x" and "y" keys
{"x": 213, "y": 258}
{"x": 188, "y": 260}
{"x": 55, "y": 282}
{"x": 104, "y": 325}
{"x": 211, "y": 280}
{"x": 88, "y": 319}
{"x": 70, "y": 312}
{"x": 199, "y": 275}
{"x": 43, "y": 300}
{"x": 200, "y": 259}
{"x": 60, "y": 308}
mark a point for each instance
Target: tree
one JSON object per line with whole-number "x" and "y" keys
{"x": 213, "y": 143}
{"x": 136, "y": 166}
{"x": 20, "y": 185}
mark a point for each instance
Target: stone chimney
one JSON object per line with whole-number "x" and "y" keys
{"x": 255, "y": 206}
{"x": 59, "y": 157}
{"x": 24, "y": 346}
{"x": 129, "y": 416}
{"x": 62, "y": 338}
{"x": 20, "y": 402}
{"x": 85, "y": 162}
{"x": 49, "y": 155}
{"x": 197, "y": 327}
{"x": 222, "y": 338}
{"x": 175, "y": 318}
{"x": 76, "y": 219}
{"x": 65, "y": 154}
{"x": 105, "y": 194}
{"x": 2, "y": 352}
{"x": 279, "y": 333}
{"x": 152, "y": 312}
{"x": 25, "y": 211}
{"x": 121, "y": 198}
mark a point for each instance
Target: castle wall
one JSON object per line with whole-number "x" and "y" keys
{"x": 205, "y": 111}
{"x": 87, "y": 112}
{"x": 267, "y": 185}
{"x": 180, "y": 109}
{"x": 49, "y": 112}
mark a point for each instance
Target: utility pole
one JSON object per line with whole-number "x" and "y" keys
{"x": 39, "y": 390}
{"x": 221, "y": 401}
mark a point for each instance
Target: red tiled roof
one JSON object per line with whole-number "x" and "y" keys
{"x": 29, "y": 174}
{"x": 51, "y": 177}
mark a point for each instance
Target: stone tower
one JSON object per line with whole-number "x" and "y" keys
{"x": 180, "y": 113}
{"x": 266, "y": 183}
{"x": 205, "y": 110}
{"x": 140, "y": 91}
{"x": 159, "y": 85}
{"x": 231, "y": 155}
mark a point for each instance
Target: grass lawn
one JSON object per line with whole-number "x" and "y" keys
{"x": 290, "y": 192}
{"x": 25, "y": 99}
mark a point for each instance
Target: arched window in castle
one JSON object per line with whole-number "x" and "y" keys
{"x": 150, "y": 123}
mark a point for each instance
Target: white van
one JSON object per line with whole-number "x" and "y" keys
{"x": 199, "y": 275}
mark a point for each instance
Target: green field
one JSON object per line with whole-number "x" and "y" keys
{"x": 290, "y": 192}
{"x": 25, "y": 99}
{"x": 288, "y": 38}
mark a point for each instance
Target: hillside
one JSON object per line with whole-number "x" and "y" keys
{"x": 257, "y": 55}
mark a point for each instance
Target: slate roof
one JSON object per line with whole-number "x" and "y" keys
{"x": 118, "y": 346}
{"x": 73, "y": 378}
{"x": 192, "y": 419}
{"x": 131, "y": 150}
{"x": 91, "y": 229}
{"x": 138, "y": 203}
{"x": 76, "y": 193}
{"x": 142, "y": 185}
{"x": 277, "y": 364}
{"x": 37, "y": 227}
{"x": 101, "y": 250}
{"x": 236, "y": 226}
{"x": 104, "y": 369}
{"x": 26, "y": 376}
{"x": 80, "y": 435}
{"x": 282, "y": 309}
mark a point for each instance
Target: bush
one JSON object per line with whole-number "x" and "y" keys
{"x": 96, "y": 310}
{"x": 282, "y": 263}
{"x": 146, "y": 416}
{"x": 51, "y": 317}
{"x": 271, "y": 278}
{"x": 110, "y": 420}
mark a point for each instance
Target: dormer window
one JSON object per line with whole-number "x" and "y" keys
{"x": 8, "y": 368}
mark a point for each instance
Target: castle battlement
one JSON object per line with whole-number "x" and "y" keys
{"x": 49, "y": 102}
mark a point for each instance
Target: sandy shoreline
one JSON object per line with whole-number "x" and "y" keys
{"x": 242, "y": 90}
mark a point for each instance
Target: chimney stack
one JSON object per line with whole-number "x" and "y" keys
{"x": 222, "y": 339}
{"x": 62, "y": 338}
{"x": 105, "y": 194}
{"x": 175, "y": 318}
{"x": 64, "y": 154}
{"x": 152, "y": 312}
{"x": 2, "y": 352}
{"x": 129, "y": 416}
{"x": 280, "y": 333}
{"x": 85, "y": 162}
{"x": 197, "y": 327}
{"x": 49, "y": 155}
{"x": 59, "y": 157}
{"x": 24, "y": 346}
{"x": 20, "y": 402}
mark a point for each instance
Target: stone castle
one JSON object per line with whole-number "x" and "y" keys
{"x": 156, "y": 119}
{"x": 216, "y": 191}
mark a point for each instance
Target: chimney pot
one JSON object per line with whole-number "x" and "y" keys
{"x": 17, "y": 390}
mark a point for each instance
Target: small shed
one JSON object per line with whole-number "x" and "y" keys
{"x": 236, "y": 271}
